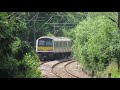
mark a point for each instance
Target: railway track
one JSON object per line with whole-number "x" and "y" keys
{"x": 64, "y": 68}
{"x": 59, "y": 69}
{"x": 43, "y": 62}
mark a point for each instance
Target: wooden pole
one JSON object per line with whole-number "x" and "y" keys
{"x": 109, "y": 75}
{"x": 92, "y": 73}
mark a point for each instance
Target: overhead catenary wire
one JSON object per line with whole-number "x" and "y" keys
{"x": 35, "y": 30}
{"x": 47, "y": 21}
{"x": 33, "y": 17}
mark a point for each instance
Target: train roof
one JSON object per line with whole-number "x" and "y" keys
{"x": 57, "y": 38}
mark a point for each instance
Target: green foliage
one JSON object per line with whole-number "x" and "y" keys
{"x": 69, "y": 33}
{"x": 95, "y": 38}
{"x": 15, "y": 45}
{"x": 8, "y": 68}
{"x": 13, "y": 50}
{"x": 76, "y": 16}
{"x": 49, "y": 34}
{"x": 28, "y": 67}
{"x": 112, "y": 68}
{"x": 96, "y": 42}
{"x": 23, "y": 48}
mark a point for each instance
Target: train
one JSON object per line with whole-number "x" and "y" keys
{"x": 53, "y": 47}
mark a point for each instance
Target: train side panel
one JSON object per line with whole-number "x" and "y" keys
{"x": 57, "y": 48}
{"x": 62, "y": 46}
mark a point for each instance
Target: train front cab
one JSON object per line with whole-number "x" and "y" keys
{"x": 45, "y": 48}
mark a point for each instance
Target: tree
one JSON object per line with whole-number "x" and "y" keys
{"x": 96, "y": 42}
{"x": 13, "y": 50}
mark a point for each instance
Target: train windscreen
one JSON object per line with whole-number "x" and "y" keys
{"x": 45, "y": 42}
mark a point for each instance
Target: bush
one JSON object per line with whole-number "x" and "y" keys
{"x": 97, "y": 42}
{"x": 112, "y": 68}
{"x": 14, "y": 62}
{"x": 19, "y": 48}
{"x": 8, "y": 69}
{"x": 28, "y": 67}
{"x": 25, "y": 68}
{"x": 20, "y": 61}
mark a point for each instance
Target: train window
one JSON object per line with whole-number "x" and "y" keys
{"x": 49, "y": 43}
{"x": 45, "y": 43}
{"x": 59, "y": 43}
{"x": 62, "y": 44}
{"x": 41, "y": 43}
{"x": 65, "y": 44}
{"x": 56, "y": 44}
{"x": 69, "y": 44}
